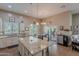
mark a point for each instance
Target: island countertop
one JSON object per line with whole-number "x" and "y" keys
{"x": 34, "y": 45}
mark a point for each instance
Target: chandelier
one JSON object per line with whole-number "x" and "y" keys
{"x": 36, "y": 10}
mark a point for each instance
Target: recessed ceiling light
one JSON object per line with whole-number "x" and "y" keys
{"x": 25, "y": 11}
{"x": 9, "y": 6}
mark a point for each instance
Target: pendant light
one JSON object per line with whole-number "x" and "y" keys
{"x": 37, "y": 6}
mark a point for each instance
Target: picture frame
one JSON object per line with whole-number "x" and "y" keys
{"x": 76, "y": 27}
{"x": 61, "y": 28}
{"x": 11, "y": 19}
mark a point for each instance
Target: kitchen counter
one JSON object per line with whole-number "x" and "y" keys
{"x": 33, "y": 45}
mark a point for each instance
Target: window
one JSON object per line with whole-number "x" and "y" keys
{"x": 33, "y": 29}
{"x": 11, "y": 27}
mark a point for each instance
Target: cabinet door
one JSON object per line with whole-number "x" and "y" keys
{"x": 2, "y": 45}
{"x": 13, "y": 40}
{"x": 21, "y": 49}
{"x": 60, "y": 39}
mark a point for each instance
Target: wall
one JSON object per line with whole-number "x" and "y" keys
{"x": 5, "y": 16}
{"x": 62, "y": 19}
{"x": 75, "y": 22}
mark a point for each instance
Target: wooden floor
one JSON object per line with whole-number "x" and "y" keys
{"x": 58, "y": 50}
{"x": 55, "y": 50}
{"x": 13, "y": 51}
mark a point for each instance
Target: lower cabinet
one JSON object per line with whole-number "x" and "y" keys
{"x": 10, "y": 41}
{"x": 24, "y": 52}
{"x": 2, "y": 43}
{"x": 60, "y": 40}
{"x": 21, "y": 49}
{"x": 64, "y": 40}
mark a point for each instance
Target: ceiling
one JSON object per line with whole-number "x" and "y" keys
{"x": 40, "y": 10}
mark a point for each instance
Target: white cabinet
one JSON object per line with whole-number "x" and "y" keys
{"x": 21, "y": 49}
{"x": 9, "y": 41}
{"x": 1, "y": 43}
{"x": 60, "y": 39}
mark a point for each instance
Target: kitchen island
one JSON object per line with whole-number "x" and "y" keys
{"x": 33, "y": 46}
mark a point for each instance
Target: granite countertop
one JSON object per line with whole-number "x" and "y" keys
{"x": 34, "y": 45}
